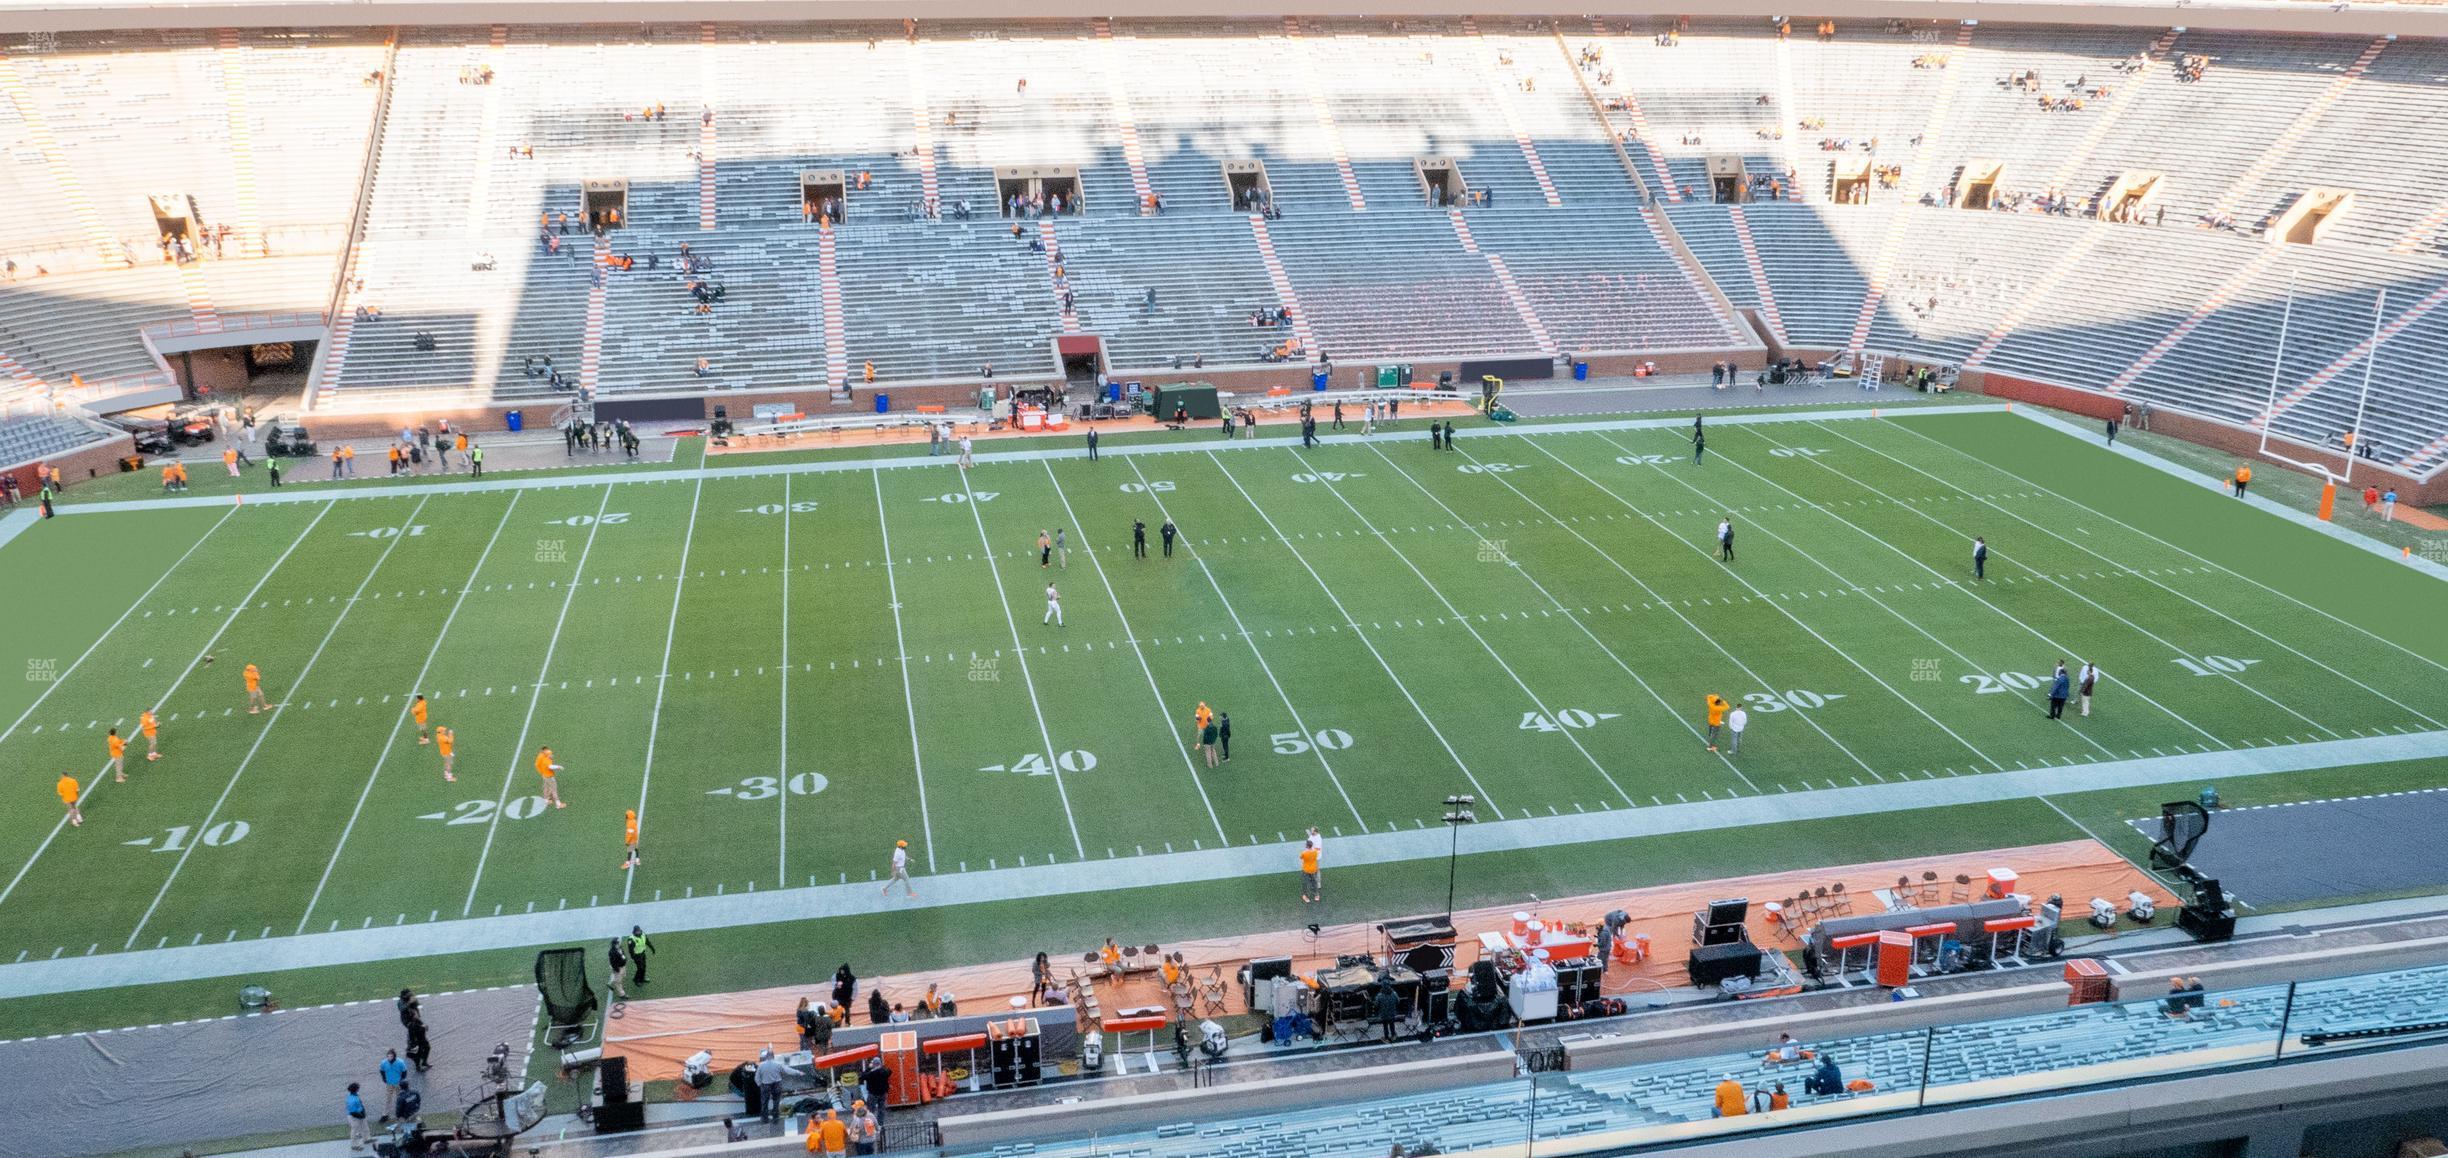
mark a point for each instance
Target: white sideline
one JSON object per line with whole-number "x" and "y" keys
{"x": 892, "y": 593}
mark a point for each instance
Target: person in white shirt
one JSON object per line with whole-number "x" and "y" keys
{"x": 900, "y": 870}
{"x": 2084, "y": 683}
{"x": 1736, "y": 721}
{"x": 965, "y": 461}
{"x": 1053, "y": 613}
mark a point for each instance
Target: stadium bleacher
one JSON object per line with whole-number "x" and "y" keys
{"x": 1570, "y": 127}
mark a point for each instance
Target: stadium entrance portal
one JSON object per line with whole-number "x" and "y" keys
{"x": 824, "y": 195}
{"x": 2128, "y": 197}
{"x": 1442, "y": 179}
{"x": 2312, "y": 213}
{"x": 1849, "y": 180}
{"x": 606, "y": 204}
{"x": 174, "y": 215}
{"x": 1976, "y": 188}
{"x": 1729, "y": 182}
{"x": 1038, "y": 190}
{"x": 1247, "y": 181}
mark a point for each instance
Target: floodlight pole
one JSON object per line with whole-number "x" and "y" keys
{"x": 1457, "y": 813}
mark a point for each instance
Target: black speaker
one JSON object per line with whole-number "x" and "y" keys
{"x": 1427, "y": 958}
{"x": 721, "y": 412}
{"x": 620, "y": 1117}
{"x": 1483, "y": 985}
{"x": 1711, "y": 964}
{"x": 1439, "y": 1007}
{"x": 614, "y": 1072}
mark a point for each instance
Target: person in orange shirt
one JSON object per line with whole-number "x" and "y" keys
{"x": 118, "y": 757}
{"x": 1716, "y": 719}
{"x": 416, "y": 711}
{"x": 2243, "y": 478}
{"x": 255, "y": 696}
{"x": 442, "y": 742}
{"x": 169, "y": 477}
{"x": 1312, "y": 889}
{"x": 546, "y": 768}
{"x": 67, "y": 788}
{"x": 630, "y": 838}
{"x": 1730, "y": 1100}
{"x": 229, "y": 458}
{"x": 151, "y": 727}
{"x": 395, "y": 458}
{"x": 828, "y": 1136}
{"x": 348, "y": 460}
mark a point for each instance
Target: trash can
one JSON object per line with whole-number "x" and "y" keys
{"x": 1317, "y": 379}
{"x": 1580, "y": 370}
{"x": 516, "y": 420}
{"x": 883, "y": 403}
{"x": 1113, "y": 392}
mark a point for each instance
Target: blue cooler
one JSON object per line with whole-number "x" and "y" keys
{"x": 1317, "y": 379}
{"x": 883, "y": 403}
{"x": 516, "y": 420}
{"x": 1580, "y": 370}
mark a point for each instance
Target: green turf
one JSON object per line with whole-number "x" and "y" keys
{"x": 1533, "y": 619}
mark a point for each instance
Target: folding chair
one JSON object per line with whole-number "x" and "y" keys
{"x": 1929, "y": 888}
{"x": 1836, "y": 893}
{"x": 1211, "y": 991}
{"x": 1963, "y": 889}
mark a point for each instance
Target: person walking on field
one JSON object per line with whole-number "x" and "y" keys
{"x": 1716, "y": 718}
{"x": 2059, "y": 685}
{"x": 1980, "y": 557}
{"x": 1062, "y": 551}
{"x": 1736, "y": 721}
{"x": 1312, "y": 888}
{"x": 640, "y": 947}
{"x": 68, "y": 793}
{"x": 2388, "y": 505}
{"x": 254, "y": 689}
{"x": 1169, "y": 532}
{"x": 965, "y": 461}
{"x": 150, "y": 725}
{"x": 443, "y": 741}
{"x": 617, "y": 959}
{"x": 1053, "y": 613}
{"x": 1699, "y": 443}
{"x": 1207, "y": 741}
{"x": 2243, "y": 478}
{"x": 2085, "y": 683}
{"x": 900, "y": 873}
{"x": 1045, "y": 550}
{"x": 1224, "y": 735}
{"x": 1725, "y": 539}
{"x": 630, "y": 840}
{"x": 118, "y": 757}
{"x": 1092, "y": 444}
{"x": 354, "y": 1106}
{"x": 417, "y": 711}
{"x": 545, "y": 768}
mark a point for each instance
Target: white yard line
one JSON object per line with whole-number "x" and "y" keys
{"x": 2211, "y": 608}
{"x": 107, "y": 632}
{"x": 2126, "y": 682}
{"x": 175, "y": 685}
{"x": 399, "y": 535}
{"x": 1252, "y": 639}
{"x": 416, "y": 685}
{"x": 1765, "y": 598}
{"x": 1354, "y": 624}
{"x": 892, "y": 592}
{"x": 1020, "y": 652}
{"x": 2136, "y": 572}
{"x": 518, "y": 750}
{"x": 782, "y": 798}
{"x": 1515, "y": 566}
{"x": 654, "y": 718}
{"x": 1863, "y": 590}
{"x": 1163, "y": 717}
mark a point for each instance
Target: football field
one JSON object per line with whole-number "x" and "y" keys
{"x": 784, "y": 669}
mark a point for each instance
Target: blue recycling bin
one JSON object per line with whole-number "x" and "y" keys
{"x": 1113, "y": 392}
{"x": 516, "y": 420}
{"x": 883, "y": 403}
{"x": 1317, "y": 379}
{"x": 1580, "y": 370}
